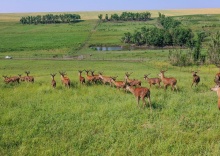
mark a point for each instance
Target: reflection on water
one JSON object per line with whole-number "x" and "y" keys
{"x": 107, "y": 48}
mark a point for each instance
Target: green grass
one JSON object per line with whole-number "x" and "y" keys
{"x": 98, "y": 119}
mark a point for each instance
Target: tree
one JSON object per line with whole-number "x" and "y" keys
{"x": 214, "y": 48}
{"x": 100, "y": 17}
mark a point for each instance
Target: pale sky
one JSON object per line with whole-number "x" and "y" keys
{"x": 15, "y": 6}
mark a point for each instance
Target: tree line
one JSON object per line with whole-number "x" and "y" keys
{"x": 50, "y": 19}
{"x": 126, "y": 16}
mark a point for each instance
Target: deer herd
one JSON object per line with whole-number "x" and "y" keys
{"x": 131, "y": 85}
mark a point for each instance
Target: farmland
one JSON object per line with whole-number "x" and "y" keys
{"x": 96, "y": 119}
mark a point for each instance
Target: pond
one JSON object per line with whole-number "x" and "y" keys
{"x": 113, "y": 48}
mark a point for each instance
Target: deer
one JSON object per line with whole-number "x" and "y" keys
{"x": 217, "y": 89}
{"x": 29, "y": 78}
{"x": 81, "y": 78}
{"x": 22, "y": 78}
{"x": 6, "y": 79}
{"x": 96, "y": 77}
{"x": 89, "y": 78}
{"x": 168, "y": 81}
{"x": 152, "y": 81}
{"x": 64, "y": 80}
{"x": 11, "y": 79}
{"x": 53, "y": 82}
{"x": 118, "y": 84}
{"x": 130, "y": 81}
{"x": 196, "y": 78}
{"x": 217, "y": 78}
{"x": 140, "y": 93}
{"x": 106, "y": 79}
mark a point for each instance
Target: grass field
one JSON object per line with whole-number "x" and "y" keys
{"x": 95, "y": 119}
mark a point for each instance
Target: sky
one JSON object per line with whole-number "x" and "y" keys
{"x": 18, "y": 6}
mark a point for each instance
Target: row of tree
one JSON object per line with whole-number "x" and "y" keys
{"x": 160, "y": 37}
{"x": 126, "y": 16}
{"x": 50, "y": 18}
{"x": 168, "y": 22}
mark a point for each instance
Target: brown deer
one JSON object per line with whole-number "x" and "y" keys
{"x": 22, "y": 78}
{"x": 29, "y": 78}
{"x": 96, "y": 77}
{"x": 89, "y": 78}
{"x": 81, "y": 78}
{"x": 130, "y": 81}
{"x": 168, "y": 81}
{"x": 53, "y": 82}
{"x": 64, "y": 80}
{"x": 118, "y": 84}
{"x": 6, "y": 79}
{"x": 217, "y": 89}
{"x": 106, "y": 79}
{"x": 11, "y": 79}
{"x": 217, "y": 78}
{"x": 152, "y": 81}
{"x": 140, "y": 93}
{"x": 196, "y": 78}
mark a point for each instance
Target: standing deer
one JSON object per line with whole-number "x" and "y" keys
{"x": 118, "y": 84}
{"x": 89, "y": 78}
{"x": 106, "y": 79}
{"x": 64, "y": 80}
{"x": 11, "y": 79}
{"x": 168, "y": 81}
{"x": 29, "y": 78}
{"x": 81, "y": 78}
{"x": 130, "y": 81}
{"x": 152, "y": 81}
{"x": 217, "y": 89}
{"x": 22, "y": 78}
{"x": 196, "y": 78}
{"x": 53, "y": 82}
{"x": 140, "y": 93}
{"x": 96, "y": 77}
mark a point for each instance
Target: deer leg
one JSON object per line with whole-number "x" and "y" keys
{"x": 144, "y": 102}
{"x": 138, "y": 100}
{"x": 149, "y": 102}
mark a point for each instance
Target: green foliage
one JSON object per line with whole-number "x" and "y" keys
{"x": 168, "y": 22}
{"x": 214, "y": 48}
{"x": 50, "y": 18}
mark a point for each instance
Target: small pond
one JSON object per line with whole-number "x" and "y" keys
{"x": 113, "y": 48}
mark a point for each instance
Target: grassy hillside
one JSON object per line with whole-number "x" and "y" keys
{"x": 96, "y": 119}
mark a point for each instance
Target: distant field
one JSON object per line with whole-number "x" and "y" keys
{"x": 94, "y": 14}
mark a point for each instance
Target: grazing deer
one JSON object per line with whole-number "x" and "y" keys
{"x": 118, "y": 84}
{"x": 29, "y": 78}
{"x": 22, "y": 78}
{"x": 106, "y": 79}
{"x": 217, "y": 89}
{"x": 11, "y": 79}
{"x": 53, "y": 82}
{"x": 168, "y": 81}
{"x": 140, "y": 93}
{"x": 196, "y": 78}
{"x": 217, "y": 79}
{"x": 130, "y": 81}
{"x": 152, "y": 81}
{"x": 81, "y": 78}
{"x": 89, "y": 78}
{"x": 64, "y": 80}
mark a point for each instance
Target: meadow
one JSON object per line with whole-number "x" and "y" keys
{"x": 96, "y": 119}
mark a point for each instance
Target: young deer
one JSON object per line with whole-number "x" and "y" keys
{"x": 53, "y": 82}
{"x": 81, "y": 78}
{"x": 217, "y": 89}
{"x": 118, "y": 84}
{"x": 65, "y": 80}
{"x": 140, "y": 93}
{"x": 130, "y": 81}
{"x": 196, "y": 78}
{"x": 168, "y": 81}
{"x": 152, "y": 81}
{"x": 29, "y": 78}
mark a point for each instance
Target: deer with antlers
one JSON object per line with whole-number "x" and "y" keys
{"x": 65, "y": 80}
{"x": 196, "y": 78}
{"x": 217, "y": 89}
{"x": 168, "y": 81}
{"x": 81, "y": 78}
{"x": 96, "y": 77}
{"x": 132, "y": 82}
{"x": 106, "y": 79}
{"x": 11, "y": 79}
{"x": 152, "y": 81}
{"x": 22, "y": 78}
{"x": 53, "y": 82}
{"x": 140, "y": 93}
{"x": 29, "y": 78}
